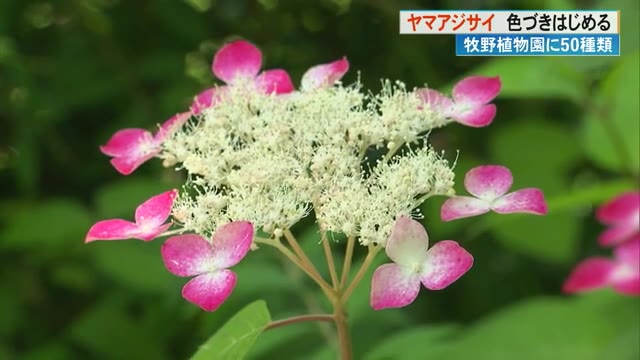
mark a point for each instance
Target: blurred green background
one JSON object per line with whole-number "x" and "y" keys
{"x": 73, "y": 72}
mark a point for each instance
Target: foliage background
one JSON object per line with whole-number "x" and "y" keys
{"x": 73, "y": 72}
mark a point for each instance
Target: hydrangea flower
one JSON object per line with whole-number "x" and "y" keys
{"x": 471, "y": 100}
{"x": 130, "y": 148}
{"x": 192, "y": 255}
{"x": 398, "y": 284}
{"x": 324, "y": 74}
{"x": 622, "y": 273}
{"x": 489, "y": 185}
{"x": 238, "y": 61}
{"x": 622, "y": 215}
{"x": 150, "y": 216}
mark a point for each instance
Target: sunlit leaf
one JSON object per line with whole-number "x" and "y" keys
{"x": 547, "y": 329}
{"x": 413, "y": 342}
{"x": 237, "y": 335}
{"x": 535, "y": 77}
{"x": 538, "y": 153}
{"x": 611, "y": 130}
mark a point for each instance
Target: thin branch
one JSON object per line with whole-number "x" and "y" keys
{"x": 299, "y": 319}
{"x": 330, "y": 262}
{"x": 348, "y": 258}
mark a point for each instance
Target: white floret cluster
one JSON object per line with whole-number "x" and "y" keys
{"x": 272, "y": 160}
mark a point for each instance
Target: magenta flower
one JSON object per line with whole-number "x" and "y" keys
{"x": 150, "y": 217}
{"x": 622, "y": 215}
{"x": 622, "y": 273}
{"x": 130, "y": 148}
{"x": 489, "y": 184}
{"x": 397, "y": 284}
{"x": 192, "y": 255}
{"x": 324, "y": 75}
{"x": 239, "y": 60}
{"x": 471, "y": 100}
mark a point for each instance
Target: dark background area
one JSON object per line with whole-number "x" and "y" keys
{"x": 74, "y": 72}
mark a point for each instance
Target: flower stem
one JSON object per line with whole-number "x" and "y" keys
{"x": 299, "y": 319}
{"x": 348, "y": 257}
{"x": 373, "y": 250}
{"x": 326, "y": 288}
{"x": 344, "y": 340}
{"x": 301, "y": 255}
{"x": 330, "y": 262}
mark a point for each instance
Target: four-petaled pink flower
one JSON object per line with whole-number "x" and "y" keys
{"x": 622, "y": 273}
{"x": 234, "y": 62}
{"x": 471, "y": 100}
{"x": 489, "y": 184}
{"x": 622, "y": 215}
{"x": 130, "y": 148}
{"x": 192, "y": 255}
{"x": 324, "y": 75}
{"x": 397, "y": 285}
{"x": 150, "y": 217}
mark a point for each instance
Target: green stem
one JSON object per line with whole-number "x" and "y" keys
{"x": 330, "y": 262}
{"x": 301, "y": 255}
{"x": 299, "y": 319}
{"x": 344, "y": 339}
{"x": 373, "y": 250}
{"x": 298, "y": 262}
{"x": 348, "y": 258}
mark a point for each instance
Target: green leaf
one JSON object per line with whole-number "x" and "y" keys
{"x": 45, "y": 226}
{"x": 407, "y": 344}
{"x": 565, "y": 329}
{"x": 236, "y": 337}
{"x": 611, "y": 130}
{"x": 121, "y": 197}
{"x": 538, "y": 153}
{"x": 552, "y": 237}
{"x": 535, "y": 77}
{"x": 629, "y": 26}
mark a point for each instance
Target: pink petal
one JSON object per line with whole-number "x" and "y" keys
{"x": 210, "y": 290}
{"x": 590, "y": 274}
{"x": 238, "y": 58}
{"x": 207, "y": 99}
{"x": 617, "y": 234}
{"x": 626, "y": 280}
{"x": 393, "y": 286}
{"x": 130, "y": 148}
{"x": 445, "y": 263}
{"x": 436, "y": 100}
{"x": 275, "y": 81}
{"x": 488, "y": 182}
{"x": 459, "y": 207}
{"x": 188, "y": 255}
{"x": 620, "y": 209}
{"x": 522, "y": 201}
{"x": 324, "y": 75}
{"x": 629, "y": 252}
{"x": 126, "y": 141}
{"x": 115, "y": 229}
{"x": 408, "y": 242}
{"x": 127, "y": 164}
{"x": 231, "y": 243}
{"x": 156, "y": 210}
{"x": 476, "y": 117}
{"x": 476, "y": 90}
{"x": 170, "y": 126}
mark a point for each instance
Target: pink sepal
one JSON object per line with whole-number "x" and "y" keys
{"x": 150, "y": 217}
